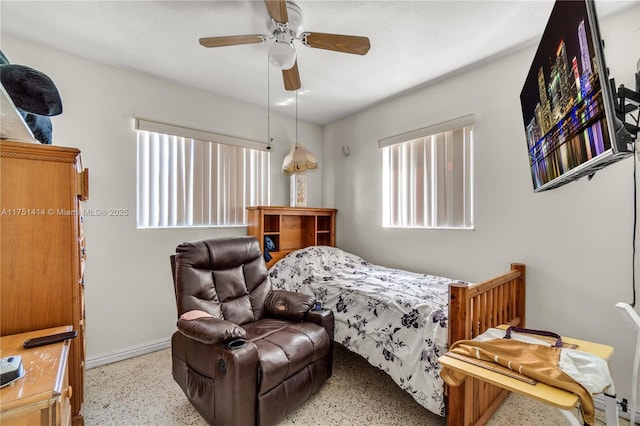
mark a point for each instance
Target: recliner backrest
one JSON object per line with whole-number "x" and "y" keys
{"x": 226, "y": 277}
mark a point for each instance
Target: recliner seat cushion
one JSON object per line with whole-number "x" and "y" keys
{"x": 285, "y": 348}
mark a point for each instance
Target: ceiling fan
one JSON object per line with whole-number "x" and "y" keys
{"x": 285, "y": 25}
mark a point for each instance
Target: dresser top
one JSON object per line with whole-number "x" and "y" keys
{"x": 44, "y": 369}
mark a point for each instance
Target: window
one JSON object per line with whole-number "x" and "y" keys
{"x": 192, "y": 178}
{"x": 427, "y": 177}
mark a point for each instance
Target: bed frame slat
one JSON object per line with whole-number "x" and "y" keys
{"x": 472, "y": 310}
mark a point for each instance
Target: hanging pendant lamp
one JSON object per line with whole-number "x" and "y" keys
{"x": 298, "y": 160}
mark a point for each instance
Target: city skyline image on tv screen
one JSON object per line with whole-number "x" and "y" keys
{"x": 563, "y": 105}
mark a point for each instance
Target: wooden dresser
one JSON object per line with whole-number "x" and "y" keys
{"x": 291, "y": 228}
{"x": 43, "y": 247}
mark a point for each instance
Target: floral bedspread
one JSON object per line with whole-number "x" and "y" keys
{"x": 395, "y": 319}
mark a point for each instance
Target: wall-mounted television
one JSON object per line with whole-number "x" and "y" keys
{"x": 568, "y": 103}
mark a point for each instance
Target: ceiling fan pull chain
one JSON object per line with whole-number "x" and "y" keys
{"x": 268, "y": 105}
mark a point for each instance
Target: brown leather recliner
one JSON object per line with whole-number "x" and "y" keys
{"x": 244, "y": 354}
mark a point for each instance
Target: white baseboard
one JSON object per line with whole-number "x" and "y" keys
{"x": 126, "y": 353}
{"x": 599, "y": 402}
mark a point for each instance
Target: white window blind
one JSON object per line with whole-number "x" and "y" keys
{"x": 183, "y": 181}
{"x": 428, "y": 177}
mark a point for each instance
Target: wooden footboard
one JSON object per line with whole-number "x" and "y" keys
{"x": 472, "y": 310}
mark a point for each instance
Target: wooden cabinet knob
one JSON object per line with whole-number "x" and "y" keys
{"x": 67, "y": 393}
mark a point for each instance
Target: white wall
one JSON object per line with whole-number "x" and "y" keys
{"x": 575, "y": 240}
{"x": 128, "y": 286}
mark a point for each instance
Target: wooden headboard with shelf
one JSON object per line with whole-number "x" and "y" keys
{"x": 291, "y": 228}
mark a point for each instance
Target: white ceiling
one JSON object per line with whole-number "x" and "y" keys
{"x": 412, "y": 43}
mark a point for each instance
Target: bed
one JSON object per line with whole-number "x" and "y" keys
{"x": 401, "y": 321}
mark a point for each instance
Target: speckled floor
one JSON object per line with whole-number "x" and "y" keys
{"x": 141, "y": 391}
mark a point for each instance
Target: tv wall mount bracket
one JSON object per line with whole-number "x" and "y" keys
{"x": 628, "y": 101}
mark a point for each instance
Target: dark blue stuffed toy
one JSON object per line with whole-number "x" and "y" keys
{"x": 268, "y": 246}
{"x": 35, "y": 96}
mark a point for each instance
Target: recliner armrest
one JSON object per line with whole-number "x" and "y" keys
{"x": 323, "y": 318}
{"x": 288, "y": 305}
{"x": 210, "y": 330}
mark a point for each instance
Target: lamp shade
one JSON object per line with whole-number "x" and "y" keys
{"x": 299, "y": 160}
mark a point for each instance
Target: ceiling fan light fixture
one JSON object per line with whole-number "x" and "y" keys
{"x": 282, "y": 53}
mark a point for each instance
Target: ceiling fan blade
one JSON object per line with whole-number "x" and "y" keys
{"x": 277, "y": 10}
{"x": 339, "y": 43}
{"x": 291, "y": 77}
{"x": 232, "y": 40}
